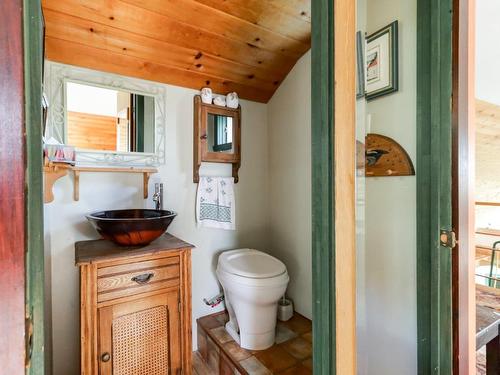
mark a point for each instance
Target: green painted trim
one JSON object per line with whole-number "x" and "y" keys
{"x": 33, "y": 58}
{"x": 434, "y": 136}
{"x": 323, "y": 204}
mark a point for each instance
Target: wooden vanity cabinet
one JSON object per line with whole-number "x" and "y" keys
{"x": 135, "y": 307}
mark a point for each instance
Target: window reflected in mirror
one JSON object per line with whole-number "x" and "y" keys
{"x": 104, "y": 119}
{"x": 220, "y": 133}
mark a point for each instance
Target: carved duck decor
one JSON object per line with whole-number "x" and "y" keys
{"x": 385, "y": 157}
{"x": 372, "y": 156}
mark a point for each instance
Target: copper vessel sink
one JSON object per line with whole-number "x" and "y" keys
{"x": 131, "y": 227}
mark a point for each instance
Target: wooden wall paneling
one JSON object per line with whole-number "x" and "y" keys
{"x": 97, "y": 59}
{"x": 140, "y": 21}
{"x": 183, "y": 42}
{"x": 94, "y": 132}
{"x": 90, "y": 33}
{"x": 12, "y": 185}
{"x": 345, "y": 168}
{"x": 290, "y": 18}
{"x": 220, "y": 23}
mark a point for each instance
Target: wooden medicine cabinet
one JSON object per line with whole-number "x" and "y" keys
{"x": 217, "y": 136}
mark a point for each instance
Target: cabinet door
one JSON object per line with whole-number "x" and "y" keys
{"x": 140, "y": 337}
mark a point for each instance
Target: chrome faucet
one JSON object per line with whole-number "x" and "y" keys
{"x": 158, "y": 196}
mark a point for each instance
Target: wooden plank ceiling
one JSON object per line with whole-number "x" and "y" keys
{"x": 247, "y": 46}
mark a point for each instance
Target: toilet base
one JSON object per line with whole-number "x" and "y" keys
{"x": 259, "y": 341}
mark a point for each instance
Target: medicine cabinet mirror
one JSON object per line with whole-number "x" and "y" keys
{"x": 217, "y": 136}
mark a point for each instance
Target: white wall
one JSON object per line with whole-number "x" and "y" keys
{"x": 289, "y": 118}
{"x": 65, "y": 222}
{"x": 390, "y": 264}
{"x": 487, "y": 51}
{"x": 487, "y": 89}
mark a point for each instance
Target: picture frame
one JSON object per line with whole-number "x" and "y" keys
{"x": 360, "y": 66}
{"x": 382, "y": 62}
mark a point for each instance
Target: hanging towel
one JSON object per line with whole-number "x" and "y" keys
{"x": 215, "y": 204}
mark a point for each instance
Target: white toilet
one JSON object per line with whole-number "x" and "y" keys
{"x": 253, "y": 283}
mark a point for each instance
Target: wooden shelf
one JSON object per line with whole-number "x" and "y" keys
{"x": 54, "y": 171}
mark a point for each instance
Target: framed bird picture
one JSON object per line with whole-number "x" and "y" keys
{"x": 382, "y": 70}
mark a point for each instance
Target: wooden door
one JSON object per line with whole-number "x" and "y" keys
{"x": 140, "y": 337}
{"x": 21, "y": 241}
{"x": 434, "y": 186}
{"x": 34, "y": 201}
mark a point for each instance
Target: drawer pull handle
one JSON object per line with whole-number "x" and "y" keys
{"x": 143, "y": 279}
{"x": 105, "y": 357}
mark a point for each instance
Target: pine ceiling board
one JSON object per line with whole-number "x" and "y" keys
{"x": 93, "y": 58}
{"x": 140, "y": 21}
{"x": 247, "y": 46}
{"x": 292, "y": 20}
{"x": 224, "y": 24}
{"x": 78, "y": 30}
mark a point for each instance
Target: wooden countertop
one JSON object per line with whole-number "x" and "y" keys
{"x": 94, "y": 251}
{"x": 487, "y": 314}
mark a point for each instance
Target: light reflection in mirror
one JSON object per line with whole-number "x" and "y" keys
{"x": 220, "y": 133}
{"x": 103, "y": 119}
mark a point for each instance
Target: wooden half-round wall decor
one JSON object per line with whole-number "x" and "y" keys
{"x": 386, "y": 157}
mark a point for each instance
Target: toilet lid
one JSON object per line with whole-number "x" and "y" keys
{"x": 251, "y": 263}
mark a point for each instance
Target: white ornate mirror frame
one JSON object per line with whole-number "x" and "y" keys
{"x": 56, "y": 76}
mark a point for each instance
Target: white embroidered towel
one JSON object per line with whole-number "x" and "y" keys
{"x": 215, "y": 203}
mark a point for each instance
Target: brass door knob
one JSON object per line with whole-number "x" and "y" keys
{"x": 105, "y": 357}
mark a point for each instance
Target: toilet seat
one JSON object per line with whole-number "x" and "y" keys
{"x": 251, "y": 263}
{"x": 256, "y": 283}
{"x": 253, "y": 282}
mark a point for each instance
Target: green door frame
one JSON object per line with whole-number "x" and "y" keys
{"x": 323, "y": 189}
{"x": 33, "y": 58}
{"x": 434, "y": 185}
{"x": 333, "y": 185}
{"x": 434, "y": 179}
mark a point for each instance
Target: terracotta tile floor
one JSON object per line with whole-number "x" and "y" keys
{"x": 218, "y": 353}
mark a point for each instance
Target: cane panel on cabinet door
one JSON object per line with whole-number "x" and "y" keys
{"x": 141, "y": 337}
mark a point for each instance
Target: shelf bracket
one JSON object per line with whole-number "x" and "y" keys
{"x": 145, "y": 177}
{"x": 52, "y": 174}
{"x": 76, "y": 188}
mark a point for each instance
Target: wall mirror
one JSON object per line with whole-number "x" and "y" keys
{"x": 220, "y": 133}
{"x": 217, "y": 135}
{"x": 111, "y": 120}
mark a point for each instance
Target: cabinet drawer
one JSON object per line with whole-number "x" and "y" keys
{"x": 134, "y": 278}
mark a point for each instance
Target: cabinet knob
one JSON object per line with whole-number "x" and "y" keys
{"x": 105, "y": 357}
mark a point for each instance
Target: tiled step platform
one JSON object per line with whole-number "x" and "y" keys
{"x": 218, "y": 353}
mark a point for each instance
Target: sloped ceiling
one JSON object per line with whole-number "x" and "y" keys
{"x": 247, "y": 46}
